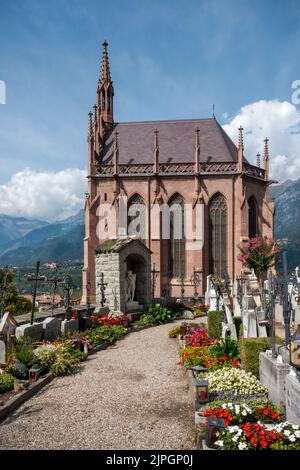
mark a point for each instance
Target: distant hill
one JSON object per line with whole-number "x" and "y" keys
{"x": 287, "y": 217}
{"x": 12, "y": 228}
{"x": 59, "y": 241}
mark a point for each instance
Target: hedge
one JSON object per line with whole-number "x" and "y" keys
{"x": 214, "y": 323}
{"x": 249, "y": 352}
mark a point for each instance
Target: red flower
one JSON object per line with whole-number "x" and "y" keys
{"x": 265, "y": 412}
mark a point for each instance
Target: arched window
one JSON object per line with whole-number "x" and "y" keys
{"x": 217, "y": 234}
{"x": 177, "y": 258}
{"x": 252, "y": 218}
{"x": 136, "y": 217}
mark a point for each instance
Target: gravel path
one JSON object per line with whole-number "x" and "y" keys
{"x": 131, "y": 396}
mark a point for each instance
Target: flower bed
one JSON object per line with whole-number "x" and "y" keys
{"x": 260, "y": 436}
{"x": 234, "y": 381}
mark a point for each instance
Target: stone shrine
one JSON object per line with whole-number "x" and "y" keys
{"x": 126, "y": 267}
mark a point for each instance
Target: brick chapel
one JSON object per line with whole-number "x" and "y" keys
{"x": 174, "y": 162}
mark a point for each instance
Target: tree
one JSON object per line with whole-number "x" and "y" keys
{"x": 10, "y": 299}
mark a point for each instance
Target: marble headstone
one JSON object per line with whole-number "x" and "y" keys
{"x": 52, "y": 328}
{"x": 69, "y": 326}
{"x": 34, "y": 331}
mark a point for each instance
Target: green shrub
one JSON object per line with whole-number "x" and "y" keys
{"x": 174, "y": 332}
{"x": 249, "y": 352}
{"x": 6, "y": 382}
{"x": 24, "y": 354}
{"x": 214, "y": 322}
{"x": 238, "y": 323}
{"x": 157, "y": 314}
{"x": 226, "y": 347}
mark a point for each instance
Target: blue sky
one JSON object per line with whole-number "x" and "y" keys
{"x": 170, "y": 59}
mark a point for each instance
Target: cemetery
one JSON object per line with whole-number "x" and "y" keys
{"x": 238, "y": 350}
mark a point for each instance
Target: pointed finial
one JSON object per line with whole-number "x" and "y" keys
{"x": 197, "y": 150}
{"x": 156, "y": 153}
{"x": 116, "y": 154}
{"x": 90, "y": 122}
{"x": 116, "y": 141}
{"x": 214, "y": 112}
{"x": 105, "y": 69}
{"x": 197, "y": 132}
{"x": 266, "y": 149}
{"x": 258, "y": 160}
{"x": 156, "y": 144}
{"x": 241, "y": 138}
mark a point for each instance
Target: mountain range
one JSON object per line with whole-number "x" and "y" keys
{"x": 287, "y": 218}
{"x": 24, "y": 241}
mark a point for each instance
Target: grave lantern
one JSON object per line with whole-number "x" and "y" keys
{"x": 214, "y": 427}
{"x": 201, "y": 391}
{"x": 183, "y": 330}
{"x": 34, "y": 373}
{"x": 295, "y": 349}
{"x": 197, "y": 370}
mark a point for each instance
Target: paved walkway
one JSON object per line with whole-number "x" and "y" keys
{"x": 131, "y": 396}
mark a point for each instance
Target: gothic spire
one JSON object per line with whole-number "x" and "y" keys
{"x": 240, "y": 150}
{"x": 266, "y": 158}
{"x": 258, "y": 160}
{"x": 105, "y": 90}
{"x": 105, "y": 70}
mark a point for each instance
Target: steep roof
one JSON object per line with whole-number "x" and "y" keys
{"x": 176, "y": 142}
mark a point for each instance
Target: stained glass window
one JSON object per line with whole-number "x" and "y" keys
{"x": 217, "y": 234}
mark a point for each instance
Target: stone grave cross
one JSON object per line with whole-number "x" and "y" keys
{"x": 195, "y": 281}
{"x": 154, "y": 274}
{"x": 35, "y": 279}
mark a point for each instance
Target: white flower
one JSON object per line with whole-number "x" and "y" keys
{"x": 287, "y": 432}
{"x": 219, "y": 443}
{"x": 244, "y": 413}
{"x": 292, "y": 438}
{"x": 297, "y": 434}
{"x": 242, "y": 446}
{"x": 295, "y": 426}
{"x": 236, "y": 438}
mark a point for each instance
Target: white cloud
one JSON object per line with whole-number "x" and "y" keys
{"x": 44, "y": 195}
{"x": 280, "y": 122}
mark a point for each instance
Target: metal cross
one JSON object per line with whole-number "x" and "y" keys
{"x": 68, "y": 287}
{"x": 182, "y": 284}
{"x": 282, "y": 288}
{"x": 54, "y": 281}
{"x": 195, "y": 281}
{"x": 35, "y": 279}
{"x": 102, "y": 285}
{"x": 154, "y": 274}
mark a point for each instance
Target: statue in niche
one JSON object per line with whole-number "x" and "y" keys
{"x": 130, "y": 285}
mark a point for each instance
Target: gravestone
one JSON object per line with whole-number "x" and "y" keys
{"x": 297, "y": 314}
{"x": 2, "y": 352}
{"x": 8, "y": 326}
{"x": 236, "y": 305}
{"x": 52, "y": 328}
{"x": 34, "y": 331}
{"x": 272, "y": 373}
{"x": 292, "y": 395}
{"x": 69, "y": 326}
{"x": 279, "y": 313}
